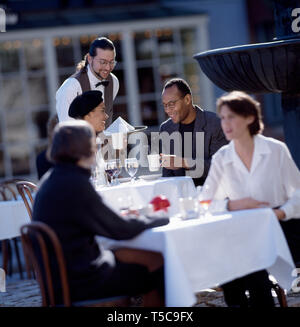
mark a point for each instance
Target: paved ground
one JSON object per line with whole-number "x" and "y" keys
{"x": 25, "y": 293}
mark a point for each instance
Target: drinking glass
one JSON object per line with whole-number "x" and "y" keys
{"x": 95, "y": 176}
{"x": 117, "y": 171}
{"x": 111, "y": 168}
{"x": 204, "y": 198}
{"x": 131, "y": 166}
{"x": 124, "y": 203}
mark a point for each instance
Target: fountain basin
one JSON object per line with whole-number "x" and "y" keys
{"x": 271, "y": 67}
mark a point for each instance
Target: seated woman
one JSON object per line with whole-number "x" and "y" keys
{"x": 253, "y": 171}
{"x": 68, "y": 203}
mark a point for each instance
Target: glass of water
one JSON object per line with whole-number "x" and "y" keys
{"x": 131, "y": 166}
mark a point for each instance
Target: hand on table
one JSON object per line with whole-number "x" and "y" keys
{"x": 130, "y": 213}
{"x": 173, "y": 162}
{"x": 280, "y": 214}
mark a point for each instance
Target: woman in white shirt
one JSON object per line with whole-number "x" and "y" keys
{"x": 253, "y": 171}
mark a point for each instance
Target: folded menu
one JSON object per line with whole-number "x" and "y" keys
{"x": 118, "y": 126}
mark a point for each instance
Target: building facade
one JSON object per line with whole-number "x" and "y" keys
{"x": 155, "y": 41}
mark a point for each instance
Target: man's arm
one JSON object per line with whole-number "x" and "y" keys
{"x": 116, "y": 85}
{"x": 198, "y": 167}
{"x": 64, "y": 97}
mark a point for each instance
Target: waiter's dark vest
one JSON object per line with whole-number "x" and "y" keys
{"x": 83, "y": 79}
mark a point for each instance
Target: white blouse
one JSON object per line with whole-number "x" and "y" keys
{"x": 100, "y": 167}
{"x": 273, "y": 177}
{"x": 71, "y": 88}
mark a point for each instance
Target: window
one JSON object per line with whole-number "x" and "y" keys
{"x": 23, "y": 93}
{"x": 148, "y": 54}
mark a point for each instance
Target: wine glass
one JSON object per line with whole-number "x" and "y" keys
{"x": 110, "y": 169}
{"x": 117, "y": 171}
{"x": 124, "y": 203}
{"x": 204, "y": 198}
{"x": 95, "y": 175}
{"x": 131, "y": 166}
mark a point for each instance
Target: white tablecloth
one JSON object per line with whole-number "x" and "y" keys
{"x": 143, "y": 191}
{"x": 202, "y": 253}
{"x": 13, "y": 215}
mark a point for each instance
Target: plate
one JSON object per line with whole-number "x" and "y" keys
{"x": 150, "y": 177}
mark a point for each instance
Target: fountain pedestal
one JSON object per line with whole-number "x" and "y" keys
{"x": 272, "y": 67}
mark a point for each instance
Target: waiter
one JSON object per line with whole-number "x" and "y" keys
{"x": 93, "y": 73}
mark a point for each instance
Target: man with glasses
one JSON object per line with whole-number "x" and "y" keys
{"x": 93, "y": 73}
{"x": 191, "y": 135}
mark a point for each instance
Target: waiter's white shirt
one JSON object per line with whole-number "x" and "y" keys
{"x": 71, "y": 88}
{"x": 273, "y": 177}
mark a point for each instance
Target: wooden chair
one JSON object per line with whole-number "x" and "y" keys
{"x": 280, "y": 295}
{"x": 40, "y": 241}
{"x": 26, "y": 189}
{"x": 8, "y": 193}
{"x": 277, "y": 289}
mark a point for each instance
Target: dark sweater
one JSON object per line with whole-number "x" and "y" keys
{"x": 68, "y": 203}
{"x": 42, "y": 164}
{"x": 206, "y": 122}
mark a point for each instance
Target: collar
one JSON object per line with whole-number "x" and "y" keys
{"x": 261, "y": 148}
{"x": 72, "y": 167}
{"x": 200, "y": 121}
{"x": 93, "y": 79}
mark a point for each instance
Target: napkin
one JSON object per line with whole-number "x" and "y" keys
{"x": 118, "y": 126}
{"x": 2, "y": 280}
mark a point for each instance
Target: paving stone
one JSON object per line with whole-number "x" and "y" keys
{"x": 26, "y": 293}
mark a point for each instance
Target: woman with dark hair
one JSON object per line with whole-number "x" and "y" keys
{"x": 93, "y": 73}
{"x": 68, "y": 203}
{"x": 254, "y": 171}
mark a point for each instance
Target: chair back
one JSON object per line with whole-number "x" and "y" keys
{"x": 26, "y": 189}
{"x": 8, "y": 192}
{"x": 45, "y": 252}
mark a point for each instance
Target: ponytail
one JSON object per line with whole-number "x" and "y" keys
{"x": 82, "y": 65}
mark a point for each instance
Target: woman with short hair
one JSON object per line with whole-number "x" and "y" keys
{"x": 68, "y": 203}
{"x": 254, "y": 171}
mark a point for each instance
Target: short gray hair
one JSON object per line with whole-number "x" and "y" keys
{"x": 71, "y": 141}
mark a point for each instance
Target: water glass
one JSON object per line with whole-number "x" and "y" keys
{"x": 124, "y": 202}
{"x": 131, "y": 166}
{"x": 95, "y": 176}
{"x": 188, "y": 207}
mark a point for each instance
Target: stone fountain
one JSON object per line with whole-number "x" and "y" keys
{"x": 272, "y": 67}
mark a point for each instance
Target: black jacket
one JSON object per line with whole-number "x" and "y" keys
{"x": 214, "y": 139}
{"x": 68, "y": 203}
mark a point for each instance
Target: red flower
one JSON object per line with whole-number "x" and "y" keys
{"x": 160, "y": 202}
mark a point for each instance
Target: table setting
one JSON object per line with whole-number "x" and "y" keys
{"x": 213, "y": 249}
{"x": 202, "y": 246}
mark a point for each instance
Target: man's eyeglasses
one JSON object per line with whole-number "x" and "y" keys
{"x": 104, "y": 62}
{"x": 171, "y": 104}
